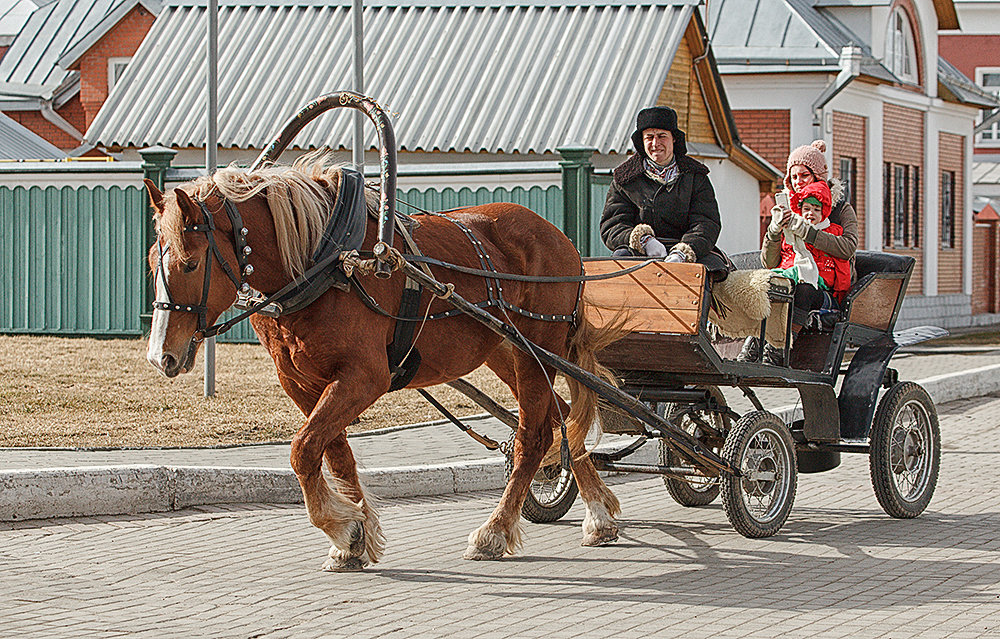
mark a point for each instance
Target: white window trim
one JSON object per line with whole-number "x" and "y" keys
{"x": 112, "y": 63}
{"x": 980, "y": 72}
{"x": 913, "y": 77}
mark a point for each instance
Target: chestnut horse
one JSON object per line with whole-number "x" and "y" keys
{"x": 331, "y": 356}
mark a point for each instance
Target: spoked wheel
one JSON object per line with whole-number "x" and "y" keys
{"x": 758, "y": 503}
{"x": 693, "y": 490}
{"x": 552, "y": 493}
{"x": 905, "y": 450}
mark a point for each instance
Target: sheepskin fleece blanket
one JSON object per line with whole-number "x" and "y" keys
{"x": 740, "y": 302}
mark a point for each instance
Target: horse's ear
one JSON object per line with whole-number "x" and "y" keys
{"x": 155, "y": 197}
{"x": 189, "y": 208}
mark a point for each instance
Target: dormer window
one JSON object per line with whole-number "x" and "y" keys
{"x": 116, "y": 68}
{"x": 900, "y": 50}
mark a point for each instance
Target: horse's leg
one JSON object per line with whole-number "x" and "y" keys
{"x": 366, "y": 538}
{"x": 599, "y": 526}
{"x": 502, "y": 531}
{"x": 332, "y": 509}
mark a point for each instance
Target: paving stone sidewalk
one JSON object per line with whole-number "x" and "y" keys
{"x": 839, "y": 568}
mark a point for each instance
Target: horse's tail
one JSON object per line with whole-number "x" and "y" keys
{"x": 585, "y": 341}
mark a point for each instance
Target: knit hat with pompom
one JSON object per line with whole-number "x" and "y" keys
{"x": 810, "y": 156}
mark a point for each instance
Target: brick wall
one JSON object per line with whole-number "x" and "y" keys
{"x": 849, "y": 141}
{"x": 952, "y": 158}
{"x": 121, "y": 41}
{"x": 33, "y": 120}
{"x": 985, "y": 240}
{"x": 766, "y": 131}
{"x": 3, "y": 50}
{"x": 903, "y": 143}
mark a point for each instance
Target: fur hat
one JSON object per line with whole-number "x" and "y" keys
{"x": 818, "y": 191}
{"x": 810, "y": 156}
{"x": 658, "y": 117}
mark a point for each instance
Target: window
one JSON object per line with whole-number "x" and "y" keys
{"x": 849, "y": 177}
{"x": 989, "y": 79}
{"x": 947, "y": 209}
{"x": 116, "y": 68}
{"x": 900, "y": 51}
{"x": 901, "y": 205}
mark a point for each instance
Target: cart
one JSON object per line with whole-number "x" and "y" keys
{"x": 672, "y": 362}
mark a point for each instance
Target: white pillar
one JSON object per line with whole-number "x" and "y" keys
{"x": 873, "y": 185}
{"x": 967, "y": 219}
{"x": 931, "y": 195}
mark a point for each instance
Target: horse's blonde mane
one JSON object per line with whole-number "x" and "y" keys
{"x": 299, "y": 196}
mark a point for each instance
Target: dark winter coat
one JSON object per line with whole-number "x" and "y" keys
{"x": 685, "y": 211}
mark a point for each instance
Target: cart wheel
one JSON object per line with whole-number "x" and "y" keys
{"x": 693, "y": 490}
{"x": 757, "y": 504}
{"x": 905, "y": 450}
{"x": 552, "y": 493}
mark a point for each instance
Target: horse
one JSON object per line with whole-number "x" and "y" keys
{"x": 331, "y": 356}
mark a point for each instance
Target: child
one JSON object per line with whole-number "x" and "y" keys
{"x": 821, "y": 280}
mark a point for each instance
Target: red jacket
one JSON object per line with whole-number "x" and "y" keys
{"x": 836, "y": 273}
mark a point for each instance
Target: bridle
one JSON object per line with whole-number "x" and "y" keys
{"x": 242, "y": 252}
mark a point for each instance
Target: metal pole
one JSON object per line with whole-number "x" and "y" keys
{"x": 358, "y": 31}
{"x": 211, "y": 153}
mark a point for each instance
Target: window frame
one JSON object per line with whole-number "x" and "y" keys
{"x": 901, "y": 47}
{"x": 947, "y": 209}
{"x": 901, "y": 201}
{"x": 994, "y": 140}
{"x": 113, "y": 64}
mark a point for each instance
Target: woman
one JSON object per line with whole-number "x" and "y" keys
{"x": 806, "y": 165}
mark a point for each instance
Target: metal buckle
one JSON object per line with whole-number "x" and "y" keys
{"x": 253, "y": 297}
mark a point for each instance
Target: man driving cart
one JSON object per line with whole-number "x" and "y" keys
{"x": 661, "y": 202}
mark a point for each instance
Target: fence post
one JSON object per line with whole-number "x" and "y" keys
{"x": 155, "y": 162}
{"x": 577, "y": 172}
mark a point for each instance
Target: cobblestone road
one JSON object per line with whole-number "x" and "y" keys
{"x": 839, "y": 568}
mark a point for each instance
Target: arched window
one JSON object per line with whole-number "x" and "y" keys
{"x": 900, "y": 50}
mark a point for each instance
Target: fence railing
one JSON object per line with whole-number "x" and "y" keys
{"x": 73, "y": 256}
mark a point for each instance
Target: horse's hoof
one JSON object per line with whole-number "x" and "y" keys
{"x": 481, "y": 554}
{"x": 357, "y": 546}
{"x": 351, "y": 564}
{"x": 600, "y": 537}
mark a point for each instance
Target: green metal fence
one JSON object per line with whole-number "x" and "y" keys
{"x": 71, "y": 260}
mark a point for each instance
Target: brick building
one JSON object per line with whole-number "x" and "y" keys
{"x": 57, "y": 70}
{"x": 896, "y": 116}
{"x": 975, "y": 51}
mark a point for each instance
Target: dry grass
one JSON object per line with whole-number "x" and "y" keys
{"x": 92, "y": 392}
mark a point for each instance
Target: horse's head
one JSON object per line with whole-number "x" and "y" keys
{"x": 189, "y": 262}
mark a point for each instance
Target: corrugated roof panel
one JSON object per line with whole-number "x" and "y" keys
{"x": 471, "y": 76}
{"x": 19, "y": 143}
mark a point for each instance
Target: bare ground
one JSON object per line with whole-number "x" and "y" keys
{"x": 57, "y": 391}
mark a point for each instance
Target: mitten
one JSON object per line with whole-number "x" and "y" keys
{"x": 653, "y": 247}
{"x": 798, "y": 226}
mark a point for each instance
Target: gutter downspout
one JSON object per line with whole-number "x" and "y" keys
{"x": 850, "y": 68}
{"x": 45, "y": 106}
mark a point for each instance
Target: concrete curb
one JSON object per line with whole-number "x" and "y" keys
{"x": 116, "y": 490}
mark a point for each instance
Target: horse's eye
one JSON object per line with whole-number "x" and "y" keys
{"x": 190, "y": 267}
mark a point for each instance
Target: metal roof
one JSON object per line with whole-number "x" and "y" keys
{"x": 518, "y": 77}
{"x": 986, "y": 172}
{"x": 50, "y": 30}
{"x": 19, "y": 143}
{"x": 13, "y": 15}
{"x": 963, "y": 88}
{"x": 783, "y": 36}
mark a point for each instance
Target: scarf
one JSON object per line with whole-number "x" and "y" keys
{"x": 662, "y": 174}
{"x": 804, "y": 267}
